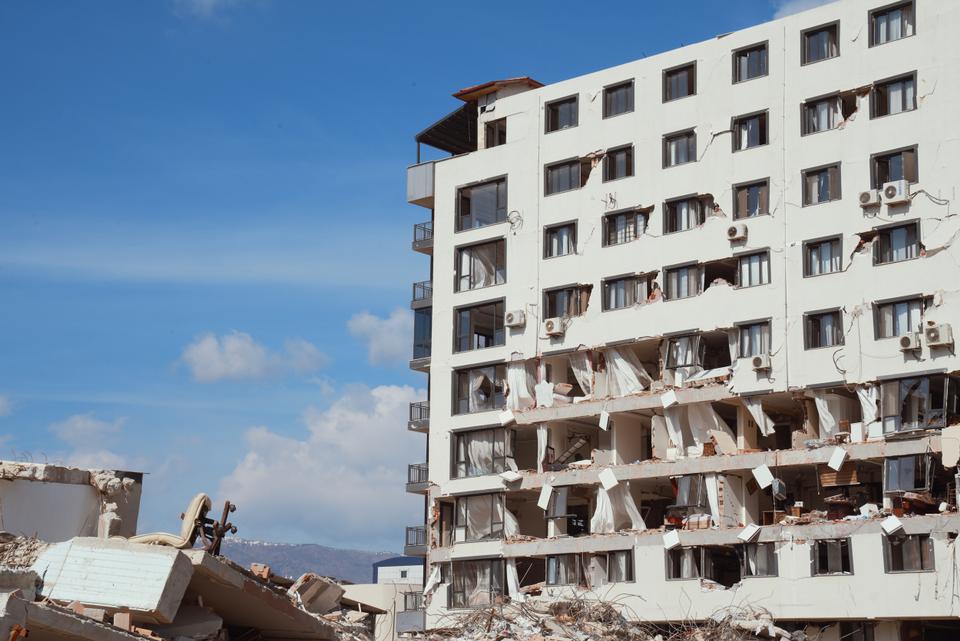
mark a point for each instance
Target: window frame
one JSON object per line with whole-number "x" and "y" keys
{"x": 747, "y": 185}
{"x": 555, "y": 558}
{"x": 498, "y": 320}
{"x": 632, "y": 101}
{"x": 559, "y": 163}
{"x": 668, "y": 214}
{"x": 495, "y": 533}
{"x": 499, "y": 126}
{"x": 807, "y": 316}
{"x": 749, "y": 254}
{"x": 547, "y": 229}
{"x": 633, "y": 212}
{"x": 497, "y": 572}
{"x": 689, "y": 133}
{"x": 742, "y": 550}
{"x": 745, "y": 325}
{"x": 765, "y": 45}
{"x": 692, "y": 80}
{"x": 687, "y": 265}
{"x": 820, "y": 241}
{"x": 886, "y": 229}
{"x": 735, "y": 124}
{"x": 815, "y": 556}
{"x": 635, "y": 287}
{"x": 504, "y": 436}
{"x": 575, "y": 98}
{"x": 924, "y": 540}
{"x": 912, "y": 75}
{"x": 630, "y": 566}
{"x": 577, "y": 297}
{"x": 697, "y": 350}
{"x": 886, "y": 155}
{"x": 871, "y": 22}
{"x": 877, "y": 322}
{"x": 479, "y": 183}
{"x": 457, "y": 262}
{"x": 499, "y": 397}
{"x": 628, "y": 148}
{"x": 832, "y": 195}
{"x": 835, "y": 25}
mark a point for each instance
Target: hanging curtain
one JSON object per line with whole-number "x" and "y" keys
{"x": 674, "y": 417}
{"x": 485, "y": 263}
{"x": 542, "y": 438}
{"x": 868, "y": 395}
{"x": 602, "y": 521}
{"x": 713, "y": 496}
{"x": 595, "y": 570}
{"x": 518, "y": 391}
{"x": 511, "y": 527}
{"x": 582, "y": 371}
{"x": 828, "y": 424}
{"x": 626, "y": 374}
{"x": 477, "y": 582}
{"x": 625, "y": 512}
{"x": 513, "y": 582}
{"x": 479, "y": 451}
{"x": 764, "y": 422}
{"x": 433, "y": 581}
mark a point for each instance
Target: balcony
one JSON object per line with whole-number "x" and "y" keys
{"x": 413, "y": 616}
{"x": 423, "y": 237}
{"x": 417, "y": 478}
{"x": 420, "y": 184}
{"x": 416, "y": 543}
{"x": 422, "y": 294}
{"x": 419, "y": 420}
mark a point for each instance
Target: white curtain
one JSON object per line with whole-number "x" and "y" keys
{"x": 477, "y": 583}
{"x": 828, "y": 424}
{"x": 477, "y": 379}
{"x": 674, "y": 417}
{"x": 595, "y": 570}
{"x": 713, "y": 496}
{"x": 764, "y": 422}
{"x": 582, "y": 371}
{"x": 702, "y": 418}
{"x": 868, "y": 396}
{"x": 513, "y": 582}
{"x": 602, "y": 521}
{"x": 626, "y": 373}
{"x": 478, "y": 448}
{"x": 542, "y": 438}
{"x": 626, "y": 514}
{"x": 519, "y": 396}
{"x": 433, "y": 581}
{"x": 511, "y": 527}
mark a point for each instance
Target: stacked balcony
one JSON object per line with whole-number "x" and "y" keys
{"x": 417, "y": 478}
{"x": 419, "y": 420}
{"x": 416, "y": 541}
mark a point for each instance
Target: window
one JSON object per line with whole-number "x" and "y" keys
{"x": 895, "y": 244}
{"x": 476, "y": 584}
{"x": 891, "y": 23}
{"x": 618, "y": 163}
{"x": 481, "y": 265}
{"x": 715, "y": 562}
{"x": 894, "y": 165}
{"x": 684, "y": 351}
{"x": 422, "y": 332}
{"x": 625, "y": 291}
{"x": 897, "y": 318}
{"x": 478, "y": 517}
{"x": 684, "y": 563}
{"x": 917, "y": 403}
{"x": 403, "y": 574}
{"x": 908, "y": 553}
{"x": 856, "y": 631}
{"x": 562, "y": 114}
{"x": 821, "y": 185}
{"x": 480, "y": 452}
{"x": 754, "y": 269}
{"x": 758, "y": 559}
{"x": 683, "y": 282}
{"x": 563, "y": 569}
{"x": 754, "y": 339}
{"x": 618, "y": 99}
{"x": 750, "y": 63}
{"x": 824, "y": 114}
{"x": 479, "y": 326}
{"x": 820, "y": 43}
{"x": 481, "y": 205}
{"x": 560, "y": 240}
{"x": 620, "y": 566}
{"x": 689, "y": 491}
{"x": 679, "y": 148}
{"x": 822, "y": 256}
{"x": 824, "y": 329}
{"x": 495, "y": 133}
{"x": 682, "y": 214}
{"x": 893, "y": 96}
{"x": 751, "y": 199}
{"x": 906, "y": 474}
{"x": 479, "y": 389}
{"x": 831, "y": 556}
{"x": 680, "y": 82}
{"x": 623, "y": 227}
{"x": 749, "y": 131}
{"x": 568, "y": 301}
{"x": 566, "y": 175}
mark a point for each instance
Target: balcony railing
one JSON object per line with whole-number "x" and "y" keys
{"x": 417, "y": 473}
{"x": 423, "y": 237}
{"x": 422, "y": 292}
{"x": 419, "y": 420}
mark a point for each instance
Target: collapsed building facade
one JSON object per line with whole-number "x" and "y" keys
{"x": 689, "y": 331}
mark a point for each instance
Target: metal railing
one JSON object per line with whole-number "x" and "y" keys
{"x": 423, "y": 233}
{"x": 420, "y": 412}
{"x": 423, "y": 290}
{"x": 417, "y": 473}
{"x": 416, "y": 536}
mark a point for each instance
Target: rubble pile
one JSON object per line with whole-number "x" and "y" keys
{"x": 19, "y": 552}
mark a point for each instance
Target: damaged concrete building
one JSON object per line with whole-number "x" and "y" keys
{"x": 689, "y": 331}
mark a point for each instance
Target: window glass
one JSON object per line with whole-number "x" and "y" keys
{"x": 619, "y": 293}
{"x": 824, "y": 330}
{"x": 821, "y": 185}
{"x": 679, "y": 149}
{"x": 754, "y": 270}
{"x": 480, "y": 389}
{"x": 481, "y": 265}
{"x": 618, "y": 163}
{"x": 891, "y": 24}
{"x": 750, "y": 63}
{"x": 679, "y": 83}
{"x": 479, "y": 326}
{"x": 495, "y": 133}
{"x": 482, "y": 205}
{"x": 683, "y": 282}
{"x": 899, "y": 318}
{"x": 750, "y": 131}
{"x": 894, "y": 96}
{"x": 758, "y": 559}
{"x": 822, "y": 257}
{"x": 562, "y": 114}
{"x": 681, "y": 215}
{"x": 832, "y": 556}
{"x": 618, "y": 99}
{"x": 897, "y": 243}
{"x": 752, "y": 200}
{"x": 820, "y": 44}
{"x": 754, "y": 339}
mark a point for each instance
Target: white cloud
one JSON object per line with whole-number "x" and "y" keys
{"x": 389, "y": 340}
{"x": 86, "y": 436}
{"x": 790, "y": 7}
{"x": 237, "y": 356}
{"x": 343, "y": 483}
{"x": 6, "y": 405}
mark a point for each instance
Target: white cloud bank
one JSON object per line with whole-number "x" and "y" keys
{"x": 236, "y": 356}
{"x": 389, "y": 340}
{"x": 6, "y": 405}
{"x": 790, "y": 7}
{"x": 88, "y": 438}
{"x": 343, "y": 483}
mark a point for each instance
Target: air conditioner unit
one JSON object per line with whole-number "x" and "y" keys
{"x": 909, "y": 342}
{"x": 737, "y": 232}
{"x": 553, "y": 327}
{"x": 870, "y": 198}
{"x": 895, "y": 192}
{"x": 516, "y": 318}
{"x": 760, "y": 362}
{"x": 938, "y": 335}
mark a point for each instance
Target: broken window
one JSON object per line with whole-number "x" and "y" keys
{"x": 690, "y": 491}
{"x": 821, "y": 184}
{"x": 831, "y": 556}
{"x": 481, "y": 265}
{"x": 684, "y": 351}
{"x": 754, "y": 339}
{"x": 916, "y": 403}
{"x": 562, "y": 114}
{"x": 897, "y": 243}
{"x": 753, "y": 269}
{"x": 479, "y": 389}
{"x": 680, "y": 82}
{"x": 908, "y": 553}
{"x": 891, "y": 23}
{"x": 897, "y": 318}
{"x": 623, "y": 227}
{"x": 750, "y": 131}
{"x": 422, "y": 332}
{"x": 714, "y": 562}
{"x": 820, "y": 43}
{"x": 479, "y": 517}
{"x": 480, "y": 452}
{"x": 682, "y": 214}
{"x": 560, "y": 240}
{"x": 618, "y": 163}
{"x": 620, "y": 566}
{"x": 481, "y": 205}
{"x": 683, "y": 282}
{"x": 894, "y": 165}
{"x": 618, "y": 99}
{"x": 822, "y": 256}
{"x": 856, "y": 631}
{"x": 679, "y": 148}
{"x": 563, "y": 569}
{"x": 909, "y": 473}
{"x": 683, "y": 563}
{"x": 479, "y": 326}
{"x": 894, "y": 96}
{"x": 758, "y": 559}
{"x": 495, "y": 133}
{"x": 751, "y": 200}
{"x": 750, "y": 62}
{"x": 823, "y": 329}
{"x": 566, "y": 175}
{"x": 476, "y": 584}
{"x": 823, "y": 114}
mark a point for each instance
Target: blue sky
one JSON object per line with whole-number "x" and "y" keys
{"x": 204, "y": 249}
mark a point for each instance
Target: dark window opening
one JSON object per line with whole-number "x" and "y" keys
{"x": 891, "y": 23}
{"x": 481, "y": 452}
{"x": 618, "y": 99}
{"x": 827, "y": 113}
{"x": 481, "y": 265}
{"x": 682, "y": 214}
{"x": 567, "y": 175}
{"x": 821, "y": 185}
{"x": 714, "y": 562}
{"x": 567, "y": 301}
{"x": 683, "y": 282}
{"x": 679, "y": 148}
{"x": 560, "y": 240}
{"x": 823, "y": 329}
{"x": 754, "y": 339}
{"x": 820, "y": 43}
{"x": 618, "y": 163}
{"x": 822, "y": 257}
{"x": 476, "y": 584}
{"x": 623, "y": 227}
{"x": 479, "y": 517}
{"x": 896, "y": 165}
{"x": 894, "y": 96}
{"x": 918, "y": 403}
{"x": 750, "y": 131}
{"x": 909, "y": 473}
{"x": 495, "y": 133}
{"x": 758, "y": 559}
{"x": 831, "y": 556}
{"x": 562, "y": 114}
{"x": 479, "y": 327}
{"x": 908, "y": 553}
{"x": 422, "y": 332}
{"x": 751, "y": 200}
{"x": 750, "y": 63}
{"x": 898, "y": 318}
{"x": 680, "y": 82}
{"x": 895, "y": 244}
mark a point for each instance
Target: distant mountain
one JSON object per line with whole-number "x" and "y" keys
{"x": 292, "y": 560}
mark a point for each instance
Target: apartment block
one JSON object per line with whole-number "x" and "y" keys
{"x": 688, "y": 331}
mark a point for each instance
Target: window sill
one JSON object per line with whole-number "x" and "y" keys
{"x": 466, "y": 229}
{"x": 613, "y": 180}
{"x": 622, "y": 113}
{"x": 822, "y": 347}
{"x": 896, "y": 262}
{"x": 555, "y": 131}
{"x": 766, "y": 144}
{"x": 478, "y": 349}
{"x": 745, "y": 80}
{"x": 477, "y": 289}
{"x": 839, "y": 271}
{"x": 821, "y": 202}
{"x": 813, "y": 62}
{"x": 679, "y": 164}
{"x": 748, "y": 217}
{"x": 888, "y": 42}
{"x": 564, "y": 191}
{"x": 739, "y": 287}
{"x": 910, "y": 571}
{"x": 573, "y": 253}
{"x": 678, "y": 98}
{"x": 891, "y": 115}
